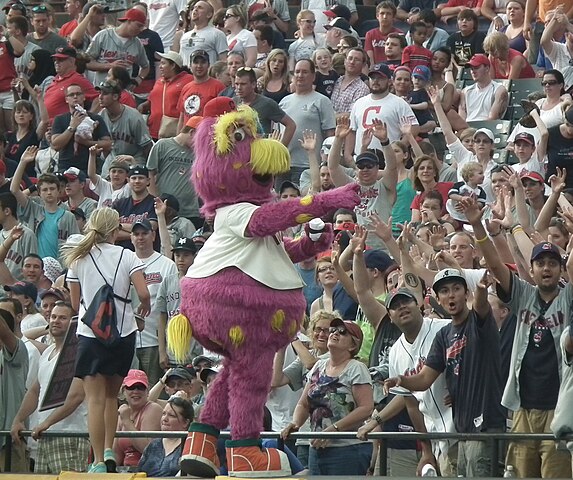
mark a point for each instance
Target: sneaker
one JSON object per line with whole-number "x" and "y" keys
{"x": 247, "y": 459}
{"x": 199, "y": 457}
{"x": 109, "y": 460}
{"x": 97, "y": 468}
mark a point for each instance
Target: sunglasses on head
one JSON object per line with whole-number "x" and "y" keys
{"x": 40, "y": 9}
{"x": 339, "y": 330}
{"x": 137, "y": 386}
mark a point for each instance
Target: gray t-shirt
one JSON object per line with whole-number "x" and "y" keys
{"x": 88, "y": 205}
{"x": 312, "y": 111}
{"x": 180, "y": 227}
{"x": 374, "y": 199}
{"x": 268, "y": 111}
{"x": 13, "y": 374}
{"x": 51, "y": 43}
{"x": 129, "y": 133}
{"x": 107, "y": 47}
{"x": 21, "y": 62}
{"x": 210, "y": 39}
{"x": 172, "y": 164}
{"x": 26, "y": 244}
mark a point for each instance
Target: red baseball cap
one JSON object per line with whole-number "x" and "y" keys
{"x": 134, "y": 377}
{"x": 536, "y": 177}
{"x": 219, "y": 106}
{"x": 479, "y": 59}
{"x": 194, "y": 122}
{"x": 135, "y": 15}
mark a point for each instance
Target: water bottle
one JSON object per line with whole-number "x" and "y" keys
{"x": 509, "y": 472}
{"x": 428, "y": 470}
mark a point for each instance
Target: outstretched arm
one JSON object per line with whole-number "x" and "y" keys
{"x": 302, "y": 248}
{"x": 272, "y": 218}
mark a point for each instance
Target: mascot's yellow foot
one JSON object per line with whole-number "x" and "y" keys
{"x": 179, "y": 335}
{"x": 199, "y": 457}
{"x": 246, "y": 458}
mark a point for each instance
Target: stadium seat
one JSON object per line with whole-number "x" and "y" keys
{"x": 526, "y": 86}
{"x": 498, "y": 127}
{"x": 500, "y": 156}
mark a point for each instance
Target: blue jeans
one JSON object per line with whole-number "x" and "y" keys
{"x": 345, "y": 460}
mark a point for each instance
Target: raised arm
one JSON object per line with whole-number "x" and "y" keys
{"x": 481, "y": 303}
{"x": 92, "y": 168}
{"x": 499, "y": 270}
{"x": 383, "y": 230}
{"x": 28, "y": 157}
{"x": 541, "y": 148}
{"x": 337, "y": 173}
{"x": 557, "y": 183}
{"x": 308, "y": 143}
{"x": 165, "y": 238}
{"x": 390, "y": 179}
{"x": 445, "y": 124}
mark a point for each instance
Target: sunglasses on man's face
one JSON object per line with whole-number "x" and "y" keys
{"x": 365, "y": 166}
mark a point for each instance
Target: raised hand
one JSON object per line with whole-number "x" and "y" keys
{"x": 276, "y": 135}
{"x": 471, "y": 209}
{"x": 406, "y": 128}
{"x": 434, "y": 94}
{"x": 367, "y": 137}
{"x": 381, "y": 228}
{"x": 29, "y": 154}
{"x": 379, "y": 130}
{"x": 308, "y": 140}
{"x": 160, "y": 206}
{"x": 436, "y": 238}
{"x": 342, "y": 126}
{"x": 358, "y": 240}
{"x": 17, "y": 232}
{"x": 557, "y": 181}
{"x": 486, "y": 280}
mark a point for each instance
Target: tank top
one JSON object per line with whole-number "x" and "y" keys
{"x": 276, "y": 96}
{"x": 132, "y": 455}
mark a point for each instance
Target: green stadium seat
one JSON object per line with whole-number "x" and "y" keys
{"x": 526, "y": 85}
{"x": 498, "y": 127}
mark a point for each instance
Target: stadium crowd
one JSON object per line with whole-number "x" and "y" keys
{"x": 444, "y": 304}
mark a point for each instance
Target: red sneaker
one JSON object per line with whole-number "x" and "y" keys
{"x": 199, "y": 457}
{"x": 247, "y": 458}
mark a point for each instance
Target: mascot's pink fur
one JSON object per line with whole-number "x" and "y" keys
{"x": 226, "y": 296}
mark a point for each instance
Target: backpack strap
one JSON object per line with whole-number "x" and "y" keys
{"x": 124, "y": 300}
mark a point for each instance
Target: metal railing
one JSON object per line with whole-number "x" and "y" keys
{"x": 493, "y": 439}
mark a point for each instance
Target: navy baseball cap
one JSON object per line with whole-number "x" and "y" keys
{"x": 138, "y": 170}
{"x": 367, "y": 157}
{"x": 380, "y": 69}
{"x": 379, "y": 260}
{"x": 145, "y": 224}
{"x": 401, "y": 292}
{"x": 171, "y": 201}
{"x": 546, "y": 248}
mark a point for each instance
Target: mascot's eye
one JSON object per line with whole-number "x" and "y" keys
{"x": 239, "y": 135}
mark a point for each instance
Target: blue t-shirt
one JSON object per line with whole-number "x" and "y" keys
{"x": 48, "y": 234}
{"x": 311, "y": 290}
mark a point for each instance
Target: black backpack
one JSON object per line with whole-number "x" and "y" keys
{"x": 101, "y": 315}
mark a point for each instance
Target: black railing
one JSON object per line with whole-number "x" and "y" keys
{"x": 494, "y": 440}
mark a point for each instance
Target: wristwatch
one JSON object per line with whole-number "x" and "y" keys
{"x": 71, "y": 129}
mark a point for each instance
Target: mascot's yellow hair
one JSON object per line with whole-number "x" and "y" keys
{"x": 179, "y": 335}
{"x": 245, "y": 117}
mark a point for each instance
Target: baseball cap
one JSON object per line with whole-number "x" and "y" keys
{"x": 381, "y": 69}
{"x": 339, "y": 22}
{"x": 15, "y": 6}
{"x": 119, "y": 164}
{"x": 194, "y": 122}
{"x": 219, "y": 106}
{"x": 204, "y": 375}
{"x": 23, "y": 288}
{"x": 544, "y": 248}
{"x": 171, "y": 201}
{"x": 145, "y": 224}
{"x": 138, "y": 170}
{"x": 134, "y": 15}
{"x": 186, "y": 244}
{"x": 422, "y": 72}
{"x": 288, "y": 184}
{"x": 327, "y": 145}
{"x": 134, "y": 377}
{"x": 338, "y": 11}
{"x": 202, "y": 358}
{"x": 200, "y": 54}
{"x": 487, "y": 132}
{"x": 353, "y": 329}
{"x": 448, "y": 275}
{"x": 378, "y": 259}
{"x": 109, "y": 87}
{"x": 401, "y": 292}
{"x": 367, "y": 157}
{"x": 73, "y": 240}
{"x": 74, "y": 173}
{"x": 65, "y": 52}
{"x": 54, "y": 292}
{"x": 479, "y": 59}
{"x": 536, "y": 177}
{"x": 180, "y": 372}
{"x": 173, "y": 56}
{"x": 260, "y": 16}
{"x": 87, "y": 6}
{"x": 525, "y": 137}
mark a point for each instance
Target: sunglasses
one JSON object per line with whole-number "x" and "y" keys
{"x": 40, "y": 9}
{"x": 137, "y": 386}
{"x": 365, "y": 166}
{"x": 245, "y": 69}
{"x": 549, "y": 83}
{"x": 482, "y": 140}
{"x": 339, "y": 330}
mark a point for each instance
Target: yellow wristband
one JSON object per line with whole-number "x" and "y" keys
{"x": 482, "y": 240}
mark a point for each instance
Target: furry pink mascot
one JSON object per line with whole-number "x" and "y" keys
{"x": 242, "y": 297}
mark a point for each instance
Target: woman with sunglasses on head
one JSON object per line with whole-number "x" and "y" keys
{"x": 240, "y": 39}
{"x": 337, "y": 397}
{"x": 295, "y": 374}
{"x": 308, "y": 41}
{"x": 162, "y": 455}
{"x": 137, "y": 414}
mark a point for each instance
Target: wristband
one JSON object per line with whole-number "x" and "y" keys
{"x": 516, "y": 229}
{"x": 482, "y": 240}
{"x": 495, "y": 234}
{"x": 386, "y": 143}
{"x": 336, "y": 427}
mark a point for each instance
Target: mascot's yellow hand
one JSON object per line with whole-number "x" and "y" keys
{"x": 179, "y": 335}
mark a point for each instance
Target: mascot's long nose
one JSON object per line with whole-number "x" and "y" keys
{"x": 269, "y": 157}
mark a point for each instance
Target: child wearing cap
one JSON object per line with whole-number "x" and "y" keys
{"x": 420, "y": 101}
